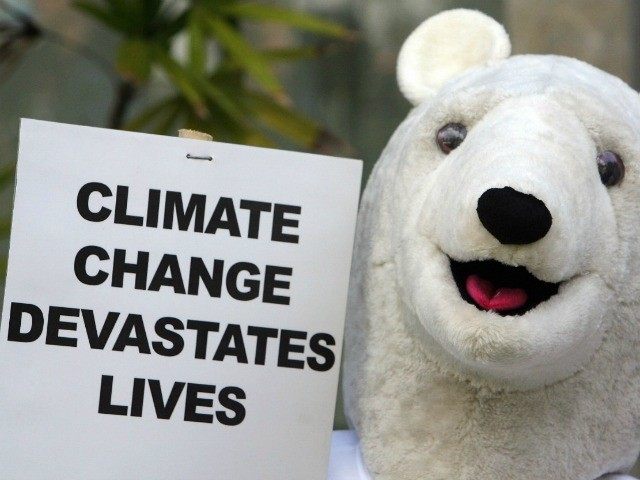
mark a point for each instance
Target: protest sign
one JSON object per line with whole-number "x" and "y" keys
{"x": 173, "y": 308}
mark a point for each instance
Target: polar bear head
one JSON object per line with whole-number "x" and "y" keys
{"x": 504, "y": 211}
{"x": 494, "y": 304}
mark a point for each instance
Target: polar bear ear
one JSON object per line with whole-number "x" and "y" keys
{"x": 446, "y": 45}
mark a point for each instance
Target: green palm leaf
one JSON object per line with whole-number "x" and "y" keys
{"x": 181, "y": 79}
{"x": 282, "y": 120}
{"x": 244, "y": 54}
{"x": 269, "y": 13}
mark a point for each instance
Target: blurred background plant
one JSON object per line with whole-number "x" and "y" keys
{"x": 224, "y": 84}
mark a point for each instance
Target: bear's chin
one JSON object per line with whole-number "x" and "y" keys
{"x": 547, "y": 342}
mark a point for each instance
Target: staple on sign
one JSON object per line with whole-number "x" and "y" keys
{"x": 198, "y": 157}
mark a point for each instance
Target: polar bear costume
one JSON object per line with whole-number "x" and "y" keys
{"x": 493, "y": 328}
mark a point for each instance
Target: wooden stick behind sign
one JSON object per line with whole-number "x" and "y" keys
{"x": 194, "y": 134}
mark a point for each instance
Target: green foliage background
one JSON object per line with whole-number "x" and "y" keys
{"x": 237, "y": 96}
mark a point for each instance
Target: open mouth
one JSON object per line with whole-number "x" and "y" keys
{"x": 506, "y": 290}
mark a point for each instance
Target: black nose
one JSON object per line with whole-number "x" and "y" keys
{"x": 513, "y": 217}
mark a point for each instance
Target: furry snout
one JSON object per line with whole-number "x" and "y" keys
{"x": 506, "y": 274}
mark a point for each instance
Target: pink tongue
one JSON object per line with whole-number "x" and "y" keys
{"x": 488, "y": 297}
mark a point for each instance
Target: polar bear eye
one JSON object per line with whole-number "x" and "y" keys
{"x": 610, "y": 167}
{"x": 451, "y": 136}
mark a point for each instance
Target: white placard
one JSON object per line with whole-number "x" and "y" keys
{"x": 168, "y": 317}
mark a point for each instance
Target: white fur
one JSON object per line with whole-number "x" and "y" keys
{"x": 438, "y": 389}
{"x": 444, "y": 46}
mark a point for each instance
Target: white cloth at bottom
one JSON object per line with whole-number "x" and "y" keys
{"x": 346, "y": 461}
